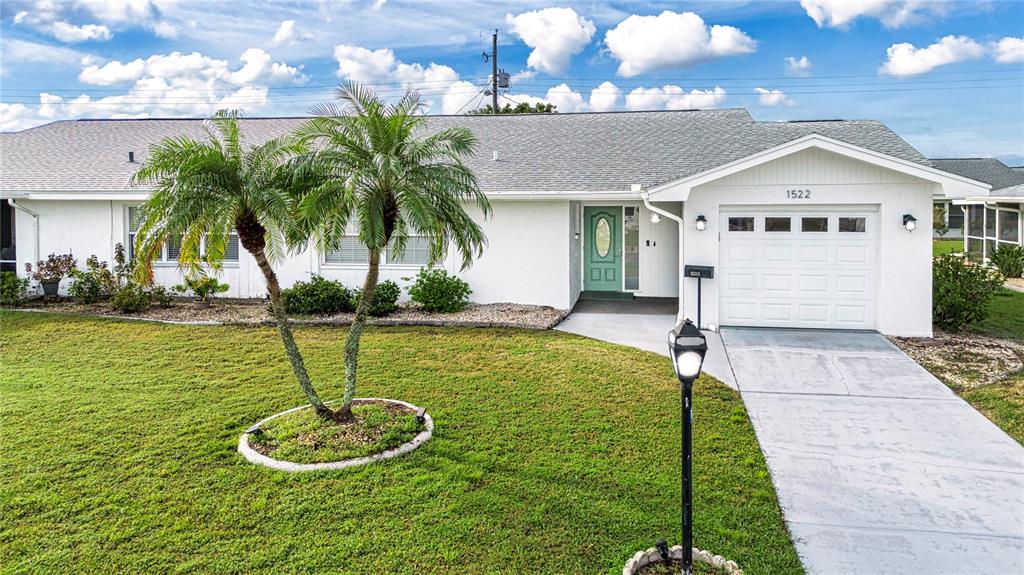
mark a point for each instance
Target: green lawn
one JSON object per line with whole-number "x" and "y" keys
{"x": 1006, "y": 317}
{"x": 941, "y": 247}
{"x": 552, "y": 454}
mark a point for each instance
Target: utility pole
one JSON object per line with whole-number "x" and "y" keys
{"x": 494, "y": 71}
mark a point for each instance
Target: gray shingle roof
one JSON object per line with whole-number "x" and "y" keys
{"x": 988, "y": 170}
{"x": 541, "y": 152}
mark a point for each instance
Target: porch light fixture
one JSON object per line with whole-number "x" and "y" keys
{"x": 687, "y": 347}
{"x": 702, "y": 223}
{"x": 909, "y": 222}
{"x": 655, "y": 218}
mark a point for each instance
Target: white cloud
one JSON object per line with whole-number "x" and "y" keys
{"x": 48, "y": 105}
{"x": 70, "y": 33}
{"x": 1009, "y": 50}
{"x": 378, "y": 68}
{"x": 112, "y": 73}
{"x": 458, "y": 97}
{"x": 22, "y": 51}
{"x": 15, "y": 117}
{"x": 119, "y": 10}
{"x": 798, "y": 66}
{"x": 892, "y": 13}
{"x": 605, "y": 97}
{"x": 194, "y": 69}
{"x": 165, "y": 29}
{"x": 285, "y": 33}
{"x": 555, "y": 34}
{"x": 671, "y": 40}
{"x": 671, "y": 97}
{"x": 904, "y": 59}
{"x": 565, "y": 99}
{"x": 768, "y": 97}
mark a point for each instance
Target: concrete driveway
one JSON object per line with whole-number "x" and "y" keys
{"x": 879, "y": 467}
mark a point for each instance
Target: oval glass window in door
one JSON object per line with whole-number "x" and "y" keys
{"x": 603, "y": 237}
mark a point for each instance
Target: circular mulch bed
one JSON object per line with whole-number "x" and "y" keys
{"x": 649, "y": 562}
{"x": 253, "y": 453}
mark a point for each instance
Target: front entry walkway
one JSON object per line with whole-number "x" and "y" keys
{"x": 879, "y": 467}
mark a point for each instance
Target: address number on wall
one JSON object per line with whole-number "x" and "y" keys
{"x": 798, "y": 194}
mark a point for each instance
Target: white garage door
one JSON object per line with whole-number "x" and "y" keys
{"x": 813, "y": 268}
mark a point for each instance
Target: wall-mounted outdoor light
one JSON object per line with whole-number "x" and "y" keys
{"x": 909, "y": 222}
{"x": 655, "y": 218}
{"x": 702, "y": 223}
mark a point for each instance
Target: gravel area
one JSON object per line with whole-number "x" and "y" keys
{"x": 965, "y": 361}
{"x": 251, "y": 312}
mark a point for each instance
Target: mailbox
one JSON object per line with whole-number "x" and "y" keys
{"x": 701, "y": 272}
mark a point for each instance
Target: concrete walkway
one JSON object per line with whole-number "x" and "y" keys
{"x": 879, "y": 467}
{"x": 646, "y": 331}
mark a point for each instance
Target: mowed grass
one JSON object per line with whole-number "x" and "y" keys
{"x": 943, "y": 247}
{"x": 1003, "y": 402}
{"x": 1006, "y": 317}
{"x": 551, "y": 454}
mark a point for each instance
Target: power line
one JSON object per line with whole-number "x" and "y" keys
{"x": 166, "y": 101}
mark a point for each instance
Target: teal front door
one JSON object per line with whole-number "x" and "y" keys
{"x": 602, "y": 260}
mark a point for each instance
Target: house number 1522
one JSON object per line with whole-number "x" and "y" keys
{"x": 798, "y": 194}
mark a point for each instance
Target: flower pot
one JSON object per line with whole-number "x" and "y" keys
{"x": 50, "y": 288}
{"x": 201, "y": 304}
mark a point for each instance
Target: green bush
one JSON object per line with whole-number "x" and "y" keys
{"x": 161, "y": 297}
{"x": 1009, "y": 259}
{"x": 13, "y": 290}
{"x": 961, "y": 291}
{"x": 318, "y": 296}
{"x": 436, "y": 290}
{"x": 131, "y": 298}
{"x": 203, "y": 287}
{"x": 385, "y": 298}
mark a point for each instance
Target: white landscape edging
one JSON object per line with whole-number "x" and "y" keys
{"x": 644, "y": 558}
{"x": 254, "y": 456}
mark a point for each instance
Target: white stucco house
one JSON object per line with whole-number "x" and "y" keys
{"x": 804, "y": 223}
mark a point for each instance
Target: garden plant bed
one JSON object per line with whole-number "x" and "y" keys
{"x": 299, "y": 440}
{"x": 552, "y": 453}
{"x": 649, "y": 562}
{"x": 254, "y": 312}
{"x": 965, "y": 361}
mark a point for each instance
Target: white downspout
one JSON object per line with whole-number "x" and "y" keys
{"x": 679, "y": 220}
{"x": 35, "y": 226}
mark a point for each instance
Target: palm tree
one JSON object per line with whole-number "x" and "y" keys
{"x": 204, "y": 189}
{"x": 377, "y": 165}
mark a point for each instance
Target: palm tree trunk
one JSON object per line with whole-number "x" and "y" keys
{"x": 284, "y": 328}
{"x": 355, "y": 332}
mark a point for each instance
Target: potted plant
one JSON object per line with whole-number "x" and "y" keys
{"x": 203, "y": 287}
{"x": 50, "y": 271}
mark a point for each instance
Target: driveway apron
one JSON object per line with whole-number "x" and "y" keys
{"x": 879, "y": 467}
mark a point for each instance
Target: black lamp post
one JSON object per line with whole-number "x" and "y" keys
{"x": 687, "y": 347}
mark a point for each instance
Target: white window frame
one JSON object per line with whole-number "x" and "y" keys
{"x": 352, "y": 232}
{"x": 164, "y": 260}
{"x": 987, "y": 235}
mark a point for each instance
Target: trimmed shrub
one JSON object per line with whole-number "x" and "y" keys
{"x": 385, "y": 298}
{"x": 318, "y": 296}
{"x": 436, "y": 290}
{"x": 161, "y": 297}
{"x": 13, "y": 290}
{"x": 203, "y": 287}
{"x": 131, "y": 298}
{"x": 961, "y": 291}
{"x": 1009, "y": 259}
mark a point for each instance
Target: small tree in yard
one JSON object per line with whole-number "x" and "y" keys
{"x": 939, "y": 225}
{"x": 204, "y": 189}
{"x": 376, "y": 165}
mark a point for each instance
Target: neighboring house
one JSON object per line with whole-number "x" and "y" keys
{"x": 805, "y": 223}
{"x": 991, "y": 219}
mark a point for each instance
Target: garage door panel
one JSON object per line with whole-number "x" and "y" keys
{"x": 799, "y": 279}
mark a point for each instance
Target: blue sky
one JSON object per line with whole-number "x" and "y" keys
{"x": 947, "y": 76}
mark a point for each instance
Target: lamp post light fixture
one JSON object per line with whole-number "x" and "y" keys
{"x": 702, "y": 223}
{"x": 909, "y": 222}
{"x": 687, "y": 347}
